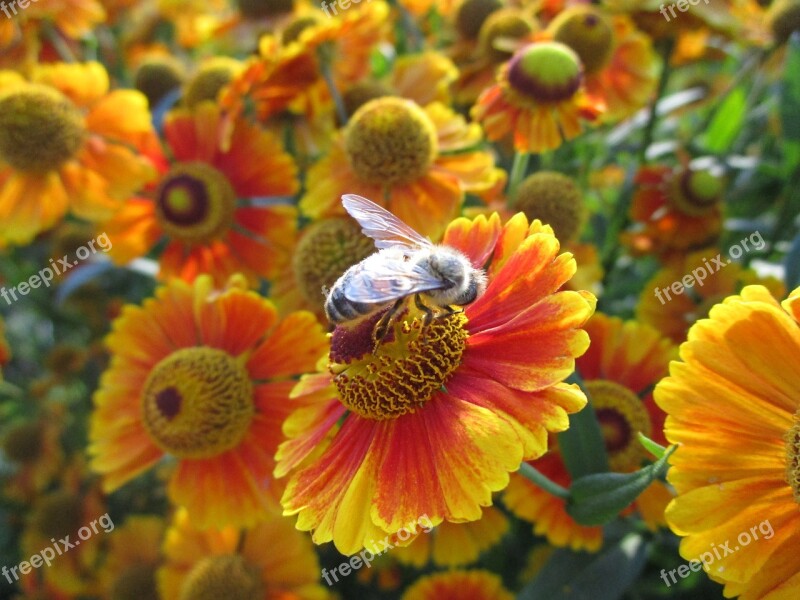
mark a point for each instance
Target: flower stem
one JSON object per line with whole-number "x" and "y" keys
{"x": 541, "y": 480}
{"x": 327, "y": 75}
{"x": 666, "y": 54}
{"x": 518, "y": 171}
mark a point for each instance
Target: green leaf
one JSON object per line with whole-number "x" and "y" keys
{"x": 578, "y": 576}
{"x": 597, "y": 499}
{"x": 582, "y": 446}
{"x": 652, "y": 447}
{"x": 790, "y": 91}
{"x": 727, "y": 122}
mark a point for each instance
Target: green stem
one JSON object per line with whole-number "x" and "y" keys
{"x": 61, "y": 46}
{"x": 539, "y": 479}
{"x": 666, "y": 54}
{"x": 327, "y": 75}
{"x": 518, "y": 171}
{"x": 414, "y": 37}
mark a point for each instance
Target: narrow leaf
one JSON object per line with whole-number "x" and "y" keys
{"x": 597, "y": 499}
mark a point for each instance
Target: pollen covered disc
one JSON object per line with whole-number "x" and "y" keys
{"x": 793, "y": 457}
{"x": 391, "y": 141}
{"x": 40, "y": 129}
{"x": 198, "y": 403}
{"x": 410, "y": 364}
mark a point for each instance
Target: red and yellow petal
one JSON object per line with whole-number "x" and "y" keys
{"x": 452, "y": 585}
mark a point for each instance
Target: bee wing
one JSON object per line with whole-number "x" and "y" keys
{"x": 381, "y": 225}
{"x": 389, "y": 281}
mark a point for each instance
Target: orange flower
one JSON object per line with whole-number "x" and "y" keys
{"x": 64, "y": 148}
{"x": 619, "y": 63}
{"x": 416, "y": 161}
{"x": 34, "y": 448}
{"x": 129, "y": 568}
{"x": 290, "y": 73}
{"x": 195, "y": 208}
{"x": 433, "y": 427}
{"x": 622, "y": 365}
{"x": 228, "y": 563}
{"x": 734, "y": 411}
{"x": 474, "y": 585}
{"x": 203, "y": 376}
{"x": 71, "y": 518}
{"x": 455, "y": 544}
{"x": 712, "y": 278}
{"x": 539, "y": 97}
{"x": 675, "y": 210}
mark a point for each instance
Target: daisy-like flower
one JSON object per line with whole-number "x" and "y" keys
{"x": 417, "y": 162}
{"x": 33, "y": 447}
{"x": 132, "y": 557}
{"x": 202, "y": 376}
{"x": 290, "y": 72}
{"x": 431, "y": 420}
{"x": 68, "y": 512}
{"x": 713, "y": 278}
{"x": 539, "y": 96}
{"x": 232, "y": 563}
{"x": 734, "y": 412}
{"x": 475, "y": 585}
{"x": 674, "y": 210}
{"x": 455, "y": 544}
{"x": 619, "y": 63}
{"x": 63, "y": 147}
{"x": 72, "y": 18}
{"x": 622, "y": 365}
{"x": 496, "y": 36}
{"x": 199, "y": 215}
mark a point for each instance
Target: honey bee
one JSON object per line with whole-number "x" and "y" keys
{"x": 406, "y": 264}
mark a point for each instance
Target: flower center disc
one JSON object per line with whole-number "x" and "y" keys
{"x": 696, "y": 193}
{"x": 391, "y": 141}
{"x": 793, "y": 457}
{"x": 198, "y": 403}
{"x": 409, "y": 365}
{"x": 39, "y": 129}
{"x": 137, "y": 582}
{"x": 195, "y": 203}
{"x": 587, "y": 31}
{"x": 23, "y": 443}
{"x": 621, "y": 415}
{"x": 226, "y": 576}
{"x": 58, "y": 515}
{"x": 326, "y": 251}
{"x": 545, "y": 72}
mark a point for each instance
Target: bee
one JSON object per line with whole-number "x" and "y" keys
{"x": 405, "y": 264}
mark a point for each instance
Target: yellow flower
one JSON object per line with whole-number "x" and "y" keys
{"x": 733, "y": 406}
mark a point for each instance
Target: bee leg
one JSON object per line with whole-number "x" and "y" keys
{"x": 426, "y": 320}
{"x": 429, "y": 316}
{"x": 382, "y": 326}
{"x": 449, "y": 310}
